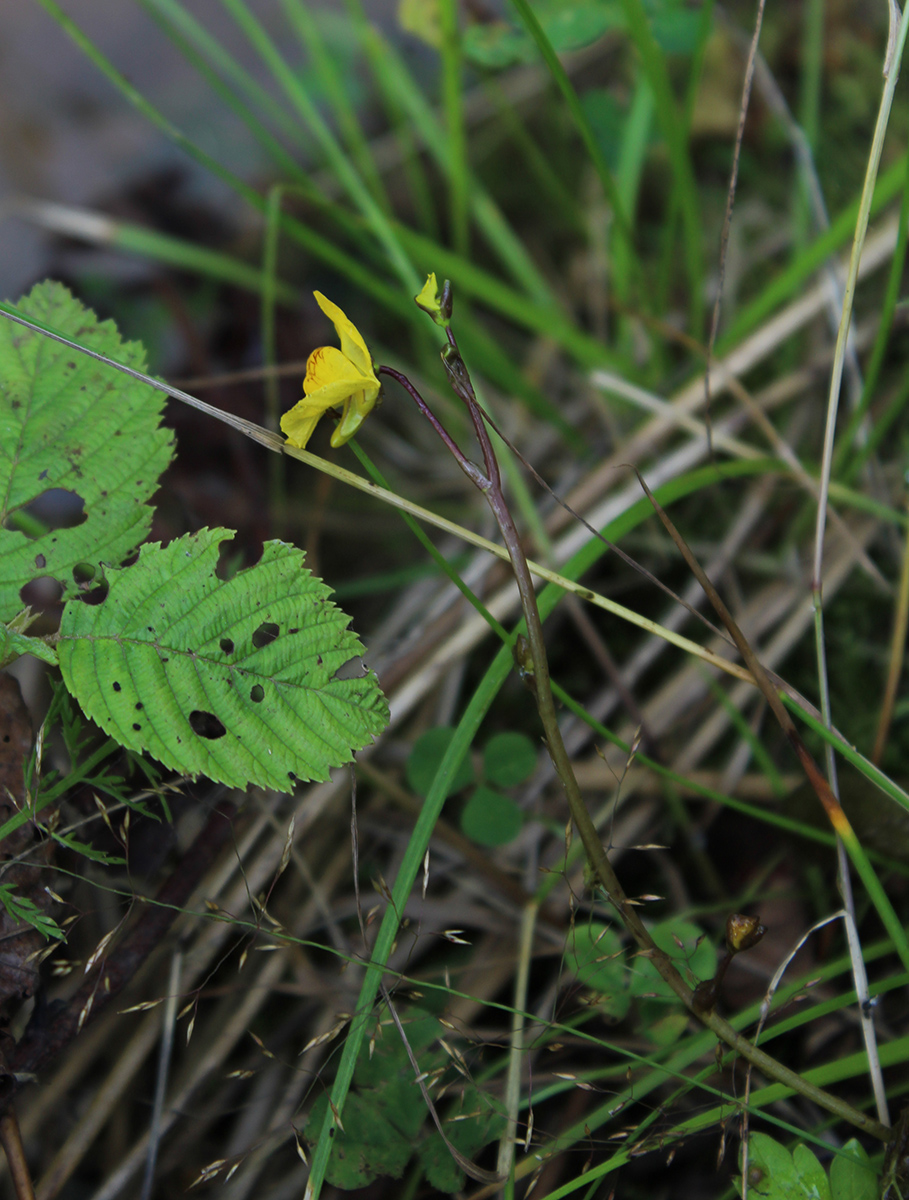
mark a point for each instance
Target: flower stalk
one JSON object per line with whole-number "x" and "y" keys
{"x": 533, "y": 665}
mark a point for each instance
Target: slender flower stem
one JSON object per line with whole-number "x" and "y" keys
{"x": 490, "y": 485}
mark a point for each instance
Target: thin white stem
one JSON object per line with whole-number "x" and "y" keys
{"x": 891, "y": 74}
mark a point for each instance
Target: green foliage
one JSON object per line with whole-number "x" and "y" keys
{"x": 569, "y": 26}
{"x": 67, "y": 422}
{"x": 509, "y": 759}
{"x": 13, "y": 644}
{"x": 594, "y": 953}
{"x": 234, "y": 680}
{"x": 663, "y": 1017}
{"x": 471, "y": 1125}
{"x": 686, "y": 942}
{"x": 852, "y": 1176}
{"x": 777, "y": 1174}
{"x": 20, "y": 908}
{"x": 385, "y": 1117}
{"x": 491, "y": 818}
{"x": 91, "y": 764}
{"x": 423, "y": 761}
{"x": 574, "y": 24}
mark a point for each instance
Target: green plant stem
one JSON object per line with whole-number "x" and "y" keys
{"x": 897, "y": 655}
{"x": 490, "y": 485}
{"x": 276, "y": 465}
{"x": 454, "y": 124}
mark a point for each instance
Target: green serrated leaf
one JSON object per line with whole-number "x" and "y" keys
{"x": 509, "y": 759}
{"x": 491, "y": 818}
{"x": 235, "y": 680}
{"x": 69, "y": 423}
{"x": 14, "y": 644}
{"x": 852, "y": 1176}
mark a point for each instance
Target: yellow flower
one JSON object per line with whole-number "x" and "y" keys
{"x": 334, "y": 377}
{"x": 436, "y": 303}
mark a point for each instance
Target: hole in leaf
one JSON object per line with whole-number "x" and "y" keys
{"x": 136, "y": 726}
{"x": 55, "y": 508}
{"x": 206, "y": 725}
{"x": 227, "y": 646}
{"x": 83, "y": 573}
{"x": 265, "y": 634}
{"x": 354, "y": 668}
{"x": 117, "y": 687}
{"x": 230, "y": 561}
{"x": 41, "y": 592}
{"x": 98, "y": 594}
{"x": 40, "y": 561}
{"x": 257, "y": 694}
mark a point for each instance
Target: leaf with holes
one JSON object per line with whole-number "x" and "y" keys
{"x": 236, "y": 680}
{"x": 80, "y": 449}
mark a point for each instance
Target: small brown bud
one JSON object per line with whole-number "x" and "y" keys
{"x": 743, "y": 932}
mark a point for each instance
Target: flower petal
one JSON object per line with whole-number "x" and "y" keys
{"x": 352, "y": 344}
{"x": 331, "y": 377}
{"x": 298, "y": 426}
{"x": 357, "y": 409}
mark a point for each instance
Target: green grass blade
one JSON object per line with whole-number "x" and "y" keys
{"x": 306, "y": 26}
{"x": 177, "y": 252}
{"x": 875, "y": 362}
{"x": 296, "y": 93}
{"x": 191, "y": 36}
{"x": 632, "y": 156}
{"x": 788, "y": 282}
{"x": 200, "y": 50}
{"x": 396, "y": 80}
{"x": 597, "y": 158}
{"x": 674, "y": 132}
{"x": 453, "y": 105}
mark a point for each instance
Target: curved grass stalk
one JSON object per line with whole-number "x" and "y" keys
{"x": 847, "y": 841}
